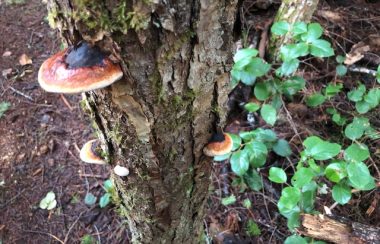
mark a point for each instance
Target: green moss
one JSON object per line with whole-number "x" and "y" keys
{"x": 115, "y": 134}
{"x": 183, "y": 38}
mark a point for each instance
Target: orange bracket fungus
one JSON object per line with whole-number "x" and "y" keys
{"x": 78, "y": 69}
{"x": 90, "y": 153}
{"x": 220, "y": 144}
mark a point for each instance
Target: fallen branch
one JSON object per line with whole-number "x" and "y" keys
{"x": 338, "y": 230}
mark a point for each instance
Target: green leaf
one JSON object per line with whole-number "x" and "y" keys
{"x": 252, "y": 107}
{"x": 246, "y": 77}
{"x": 104, "y": 200}
{"x": 314, "y": 31}
{"x": 378, "y": 74}
{"x": 315, "y": 100}
{"x": 262, "y": 91}
{"x": 299, "y": 28}
{"x": 332, "y": 89}
{"x": 257, "y": 153}
{"x": 293, "y": 51}
{"x": 87, "y": 239}
{"x": 356, "y": 153}
{"x": 258, "y": 67}
{"x": 293, "y": 85}
{"x": 277, "y": 175}
{"x": 362, "y": 107}
{"x": 245, "y": 54}
{"x": 359, "y": 175}
{"x": 247, "y": 203}
{"x": 341, "y": 70}
{"x": 228, "y": 200}
{"x": 308, "y": 195}
{"x": 89, "y": 199}
{"x": 48, "y": 202}
{"x": 372, "y": 133}
{"x": 269, "y": 114}
{"x": 302, "y": 177}
{"x": 239, "y": 162}
{"x": 356, "y": 128}
{"x": 288, "y": 67}
{"x": 290, "y": 197}
{"x": 320, "y": 149}
{"x": 336, "y": 171}
{"x": 341, "y": 193}
{"x": 236, "y": 140}
{"x": 282, "y": 148}
{"x": 294, "y": 239}
{"x": 339, "y": 119}
{"x": 373, "y": 97}
{"x": 321, "y": 48}
{"x": 340, "y": 59}
{"x": 108, "y": 186}
{"x": 253, "y": 180}
{"x": 357, "y": 94}
{"x": 264, "y": 135}
{"x": 252, "y": 228}
{"x": 222, "y": 157}
{"x": 280, "y": 28}
{"x": 4, "y": 106}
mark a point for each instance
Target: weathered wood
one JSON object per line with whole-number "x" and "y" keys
{"x": 291, "y": 11}
{"x": 338, "y": 230}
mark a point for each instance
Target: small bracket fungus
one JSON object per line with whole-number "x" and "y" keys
{"x": 220, "y": 144}
{"x": 78, "y": 69}
{"x": 121, "y": 171}
{"x": 90, "y": 152}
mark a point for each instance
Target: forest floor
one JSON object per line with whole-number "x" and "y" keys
{"x": 40, "y": 134}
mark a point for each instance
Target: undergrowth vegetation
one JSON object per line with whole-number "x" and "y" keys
{"x": 335, "y": 167}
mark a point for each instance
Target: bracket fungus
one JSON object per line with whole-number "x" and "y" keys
{"x": 90, "y": 153}
{"x": 220, "y": 144}
{"x": 78, "y": 69}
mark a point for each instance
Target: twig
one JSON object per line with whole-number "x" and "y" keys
{"x": 92, "y": 176}
{"x": 98, "y": 234}
{"x": 66, "y": 102}
{"x": 72, "y": 226}
{"x": 45, "y": 233}
{"x": 21, "y": 94}
{"x": 362, "y": 70}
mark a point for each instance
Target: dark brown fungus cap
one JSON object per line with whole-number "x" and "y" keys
{"x": 219, "y": 144}
{"x": 78, "y": 69}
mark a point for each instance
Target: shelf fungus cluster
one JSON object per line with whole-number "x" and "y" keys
{"x": 77, "y": 69}
{"x": 90, "y": 152}
{"x": 220, "y": 144}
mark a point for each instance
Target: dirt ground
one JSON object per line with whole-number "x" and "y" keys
{"x": 41, "y": 132}
{"x": 39, "y": 138}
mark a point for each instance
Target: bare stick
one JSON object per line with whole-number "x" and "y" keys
{"x": 21, "y": 94}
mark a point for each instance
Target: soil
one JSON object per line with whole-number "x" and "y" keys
{"x": 40, "y": 137}
{"x": 41, "y": 133}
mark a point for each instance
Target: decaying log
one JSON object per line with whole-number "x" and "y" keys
{"x": 340, "y": 230}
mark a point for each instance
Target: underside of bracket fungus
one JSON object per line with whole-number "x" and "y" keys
{"x": 90, "y": 152}
{"x": 220, "y": 144}
{"x": 78, "y": 69}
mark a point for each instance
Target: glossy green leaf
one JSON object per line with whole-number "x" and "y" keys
{"x": 253, "y": 180}
{"x": 356, "y": 128}
{"x": 257, "y": 153}
{"x": 282, "y": 148}
{"x": 295, "y": 239}
{"x": 359, "y": 175}
{"x": 302, "y": 177}
{"x": 104, "y": 200}
{"x": 315, "y": 100}
{"x": 222, "y": 157}
{"x": 108, "y": 186}
{"x": 319, "y": 149}
{"x": 333, "y": 89}
{"x": 321, "y": 48}
{"x": 245, "y": 54}
{"x": 362, "y": 107}
{"x": 357, "y": 94}
{"x": 280, "y": 28}
{"x": 4, "y": 106}
{"x": 252, "y": 107}
{"x": 228, "y": 200}
{"x": 340, "y": 59}
{"x": 341, "y": 70}
{"x": 257, "y": 67}
{"x": 314, "y": 32}
{"x": 336, "y": 171}
{"x": 288, "y": 67}
{"x": 293, "y": 85}
{"x": 239, "y": 162}
{"x": 90, "y": 199}
{"x": 277, "y": 175}
{"x": 48, "y": 202}
{"x": 299, "y": 28}
{"x": 269, "y": 114}
{"x": 292, "y": 51}
{"x": 341, "y": 193}
{"x": 236, "y": 140}
{"x": 262, "y": 91}
{"x": 356, "y": 153}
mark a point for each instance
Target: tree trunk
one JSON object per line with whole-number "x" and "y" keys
{"x": 156, "y": 120}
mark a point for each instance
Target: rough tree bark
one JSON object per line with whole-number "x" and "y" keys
{"x": 175, "y": 56}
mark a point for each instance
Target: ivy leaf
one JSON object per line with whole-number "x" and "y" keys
{"x": 277, "y": 175}
{"x": 262, "y": 91}
{"x": 293, "y": 51}
{"x": 336, "y": 171}
{"x": 321, "y": 48}
{"x": 239, "y": 162}
{"x": 315, "y": 100}
{"x": 356, "y": 153}
{"x": 280, "y": 28}
{"x": 252, "y": 107}
{"x": 314, "y": 31}
{"x": 257, "y": 153}
{"x": 302, "y": 177}
{"x": 282, "y": 148}
{"x": 341, "y": 193}
{"x": 288, "y": 67}
{"x": 357, "y": 94}
{"x": 320, "y": 149}
{"x": 341, "y": 70}
{"x": 253, "y": 180}
{"x": 269, "y": 114}
{"x": 359, "y": 175}
{"x": 228, "y": 200}
{"x": 245, "y": 54}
